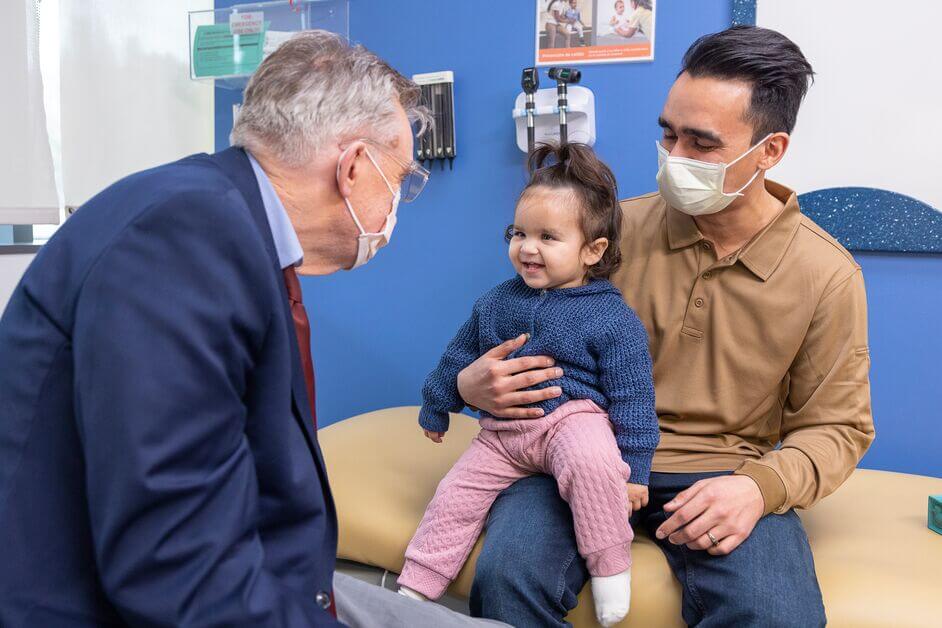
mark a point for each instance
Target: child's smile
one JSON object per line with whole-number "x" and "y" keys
{"x": 547, "y": 246}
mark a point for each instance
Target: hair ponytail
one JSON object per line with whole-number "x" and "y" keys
{"x": 576, "y": 167}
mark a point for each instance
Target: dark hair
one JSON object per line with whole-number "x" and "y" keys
{"x": 576, "y": 167}
{"x": 770, "y": 62}
{"x": 644, "y": 4}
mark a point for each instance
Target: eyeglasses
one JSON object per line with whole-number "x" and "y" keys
{"x": 413, "y": 179}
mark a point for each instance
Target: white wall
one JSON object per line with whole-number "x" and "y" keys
{"x": 11, "y": 269}
{"x": 871, "y": 118}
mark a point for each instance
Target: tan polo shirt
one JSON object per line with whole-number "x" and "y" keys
{"x": 760, "y": 358}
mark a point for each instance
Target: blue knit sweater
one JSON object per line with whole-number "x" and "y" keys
{"x": 596, "y": 339}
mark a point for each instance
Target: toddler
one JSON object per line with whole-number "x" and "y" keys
{"x": 564, "y": 244}
{"x": 574, "y": 19}
{"x": 620, "y": 19}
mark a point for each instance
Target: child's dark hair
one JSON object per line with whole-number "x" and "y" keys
{"x": 576, "y": 167}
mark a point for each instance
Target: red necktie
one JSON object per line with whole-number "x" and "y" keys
{"x": 302, "y": 327}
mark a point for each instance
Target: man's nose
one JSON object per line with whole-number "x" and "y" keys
{"x": 679, "y": 151}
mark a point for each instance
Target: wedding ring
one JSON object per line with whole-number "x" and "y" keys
{"x": 713, "y": 539}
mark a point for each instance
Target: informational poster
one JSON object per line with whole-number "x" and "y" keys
{"x": 217, "y": 51}
{"x": 594, "y": 31}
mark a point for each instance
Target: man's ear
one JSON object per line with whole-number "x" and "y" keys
{"x": 593, "y": 251}
{"x": 773, "y": 150}
{"x": 349, "y": 168}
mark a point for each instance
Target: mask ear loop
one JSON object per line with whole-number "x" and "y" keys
{"x": 753, "y": 178}
{"x": 396, "y": 198}
{"x": 380, "y": 170}
{"x": 757, "y": 145}
{"x": 748, "y": 183}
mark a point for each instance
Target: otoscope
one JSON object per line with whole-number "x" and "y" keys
{"x": 530, "y": 82}
{"x": 563, "y": 76}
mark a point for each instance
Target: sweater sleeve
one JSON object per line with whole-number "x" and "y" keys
{"x": 440, "y": 394}
{"x": 628, "y": 384}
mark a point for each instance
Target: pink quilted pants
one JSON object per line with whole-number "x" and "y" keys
{"x": 576, "y": 445}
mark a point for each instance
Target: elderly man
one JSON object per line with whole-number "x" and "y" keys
{"x": 159, "y": 463}
{"x": 757, "y": 325}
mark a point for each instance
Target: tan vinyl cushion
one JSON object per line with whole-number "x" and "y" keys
{"x": 877, "y": 562}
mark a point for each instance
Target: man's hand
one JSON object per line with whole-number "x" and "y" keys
{"x": 435, "y": 437}
{"x": 638, "y": 496}
{"x": 728, "y": 507}
{"x": 496, "y": 385}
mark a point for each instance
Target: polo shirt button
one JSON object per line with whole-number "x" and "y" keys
{"x": 707, "y": 275}
{"x": 698, "y": 302}
{"x": 322, "y": 599}
{"x": 706, "y": 246}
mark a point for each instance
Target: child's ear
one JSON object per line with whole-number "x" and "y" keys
{"x": 593, "y": 251}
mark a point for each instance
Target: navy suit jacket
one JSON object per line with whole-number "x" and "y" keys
{"x": 157, "y": 461}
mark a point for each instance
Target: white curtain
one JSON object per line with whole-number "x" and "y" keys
{"x": 27, "y": 184}
{"x": 127, "y": 101}
{"x": 118, "y": 99}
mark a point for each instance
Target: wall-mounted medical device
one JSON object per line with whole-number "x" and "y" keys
{"x": 227, "y": 45}
{"x": 438, "y": 95}
{"x": 565, "y": 113}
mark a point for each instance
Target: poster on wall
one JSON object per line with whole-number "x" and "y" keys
{"x": 594, "y": 31}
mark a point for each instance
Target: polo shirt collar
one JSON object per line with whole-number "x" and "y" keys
{"x": 765, "y": 251}
{"x": 763, "y": 254}
{"x": 682, "y": 231}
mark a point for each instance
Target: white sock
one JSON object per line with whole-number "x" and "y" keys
{"x": 612, "y": 595}
{"x": 415, "y": 595}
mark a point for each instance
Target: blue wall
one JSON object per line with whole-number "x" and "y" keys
{"x": 904, "y": 297}
{"x": 380, "y": 329}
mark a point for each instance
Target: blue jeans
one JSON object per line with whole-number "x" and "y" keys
{"x": 529, "y": 572}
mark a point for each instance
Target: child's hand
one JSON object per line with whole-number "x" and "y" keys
{"x": 436, "y": 437}
{"x": 638, "y": 496}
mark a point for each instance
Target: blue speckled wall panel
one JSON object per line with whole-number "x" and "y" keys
{"x": 743, "y": 11}
{"x": 868, "y": 219}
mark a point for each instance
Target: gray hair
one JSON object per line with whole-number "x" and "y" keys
{"x": 316, "y": 88}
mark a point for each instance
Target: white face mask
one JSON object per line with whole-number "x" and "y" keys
{"x": 696, "y": 187}
{"x": 369, "y": 243}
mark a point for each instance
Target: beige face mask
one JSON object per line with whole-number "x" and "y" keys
{"x": 696, "y": 187}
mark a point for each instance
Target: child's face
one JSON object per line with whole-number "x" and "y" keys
{"x": 573, "y": 3}
{"x": 619, "y": 7}
{"x": 547, "y": 247}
